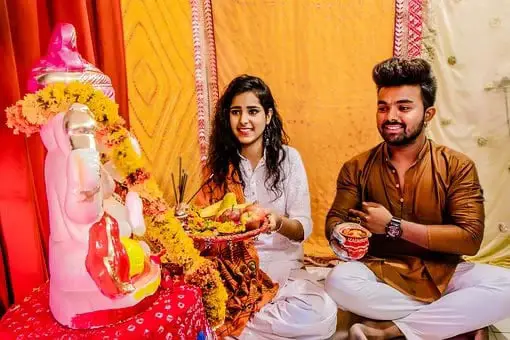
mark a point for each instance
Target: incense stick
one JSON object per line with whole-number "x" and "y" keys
{"x": 180, "y": 169}
{"x": 184, "y": 182}
{"x": 201, "y": 187}
{"x": 180, "y": 189}
{"x": 175, "y": 190}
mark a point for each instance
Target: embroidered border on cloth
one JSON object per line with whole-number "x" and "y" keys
{"x": 408, "y": 28}
{"x": 211, "y": 53}
{"x": 206, "y": 75}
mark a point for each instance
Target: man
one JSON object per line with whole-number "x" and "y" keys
{"x": 424, "y": 206}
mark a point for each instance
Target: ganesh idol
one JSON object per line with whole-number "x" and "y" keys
{"x": 98, "y": 268}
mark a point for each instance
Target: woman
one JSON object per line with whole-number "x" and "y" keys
{"x": 248, "y": 155}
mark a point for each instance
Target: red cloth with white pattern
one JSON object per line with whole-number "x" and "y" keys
{"x": 177, "y": 313}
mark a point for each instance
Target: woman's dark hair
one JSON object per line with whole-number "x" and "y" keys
{"x": 398, "y": 72}
{"x": 224, "y": 148}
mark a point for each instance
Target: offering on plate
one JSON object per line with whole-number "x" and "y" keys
{"x": 350, "y": 241}
{"x": 225, "y": 217}
{"x": 224, "y": 221}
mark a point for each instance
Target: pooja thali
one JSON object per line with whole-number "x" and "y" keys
{"x": 224, "y": 221}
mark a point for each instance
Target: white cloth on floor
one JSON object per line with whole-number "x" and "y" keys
{"x": 301, "y": 310}
{"x": 478, "y": 295}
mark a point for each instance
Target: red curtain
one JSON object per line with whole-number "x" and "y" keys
{"x": 25, "y": 28}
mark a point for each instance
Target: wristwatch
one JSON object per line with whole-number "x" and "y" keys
{"x": 394, "y": 228}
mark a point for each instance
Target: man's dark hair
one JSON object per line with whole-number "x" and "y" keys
{"x": 398, "y": 72}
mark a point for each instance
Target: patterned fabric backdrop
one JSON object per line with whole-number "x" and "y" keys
{"x": 468, "y": 44}
{"x": 162, "y": 89}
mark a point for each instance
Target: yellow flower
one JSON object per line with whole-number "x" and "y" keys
{"x": 125, "y": 158}
{"x": 59, "y": 88}
{"x": 45, "y": 97}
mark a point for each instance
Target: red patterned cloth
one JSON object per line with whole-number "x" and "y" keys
{"x": 176, "y": 313}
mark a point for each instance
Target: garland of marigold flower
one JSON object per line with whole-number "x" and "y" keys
{"x": 163, "y": 231}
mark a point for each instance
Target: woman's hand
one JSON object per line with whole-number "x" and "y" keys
{"x": 290, "y": 228}
{"x": 275, "y": 222}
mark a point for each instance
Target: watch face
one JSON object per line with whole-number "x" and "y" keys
{"x": 393, "y": 230}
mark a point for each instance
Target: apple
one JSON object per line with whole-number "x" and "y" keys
{"x": 250, "y": 220}
{"x": 253, "y": 217}
{"x": 233, "y": 215}
{"x": 256, "y": 209}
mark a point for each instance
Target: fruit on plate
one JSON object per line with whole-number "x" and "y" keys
{"x": 230, "y": 214}
{"x": 243, "y": 206}
{"x": 253, "y": 217}
{"x": 210, "y": 211}
{"x": 228, "y": 202}
{"x": 257, "y": 210}
{"x": 227, "y": 215}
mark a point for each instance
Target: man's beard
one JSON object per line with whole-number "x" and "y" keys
{"x": 402, "y": 139}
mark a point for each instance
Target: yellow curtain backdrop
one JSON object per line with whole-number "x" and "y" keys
{"x": 317, "y": 57}
{"x": 161, "y": 87}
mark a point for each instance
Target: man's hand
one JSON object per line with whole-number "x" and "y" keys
{"x": 374, "y": 217}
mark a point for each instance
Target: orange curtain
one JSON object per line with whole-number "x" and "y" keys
{"x": 317, "y": 57}
{"x": 25, "y": 28}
